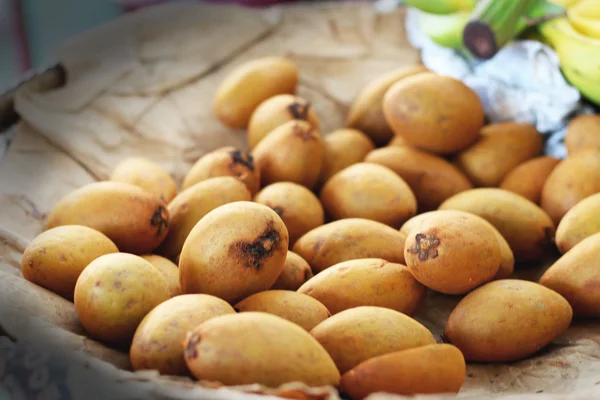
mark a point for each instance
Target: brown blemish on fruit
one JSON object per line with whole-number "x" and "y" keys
{"x": 299, "y": 110}
{"x": 254, "y": 253}
{"x": 243, "y": 158}
{"x": 192, "y": 342}
{"x": 160, "y": 219}
{"x": 131, "y": 303}
{"x": 63, "y": 258}
{"x": 425, "y": 246}
{"x": 304, "y": 133}
{"x": 118, "y": 285}
{"x": 278, "y": 210}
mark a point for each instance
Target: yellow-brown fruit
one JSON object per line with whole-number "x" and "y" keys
{"x": 583, "y": 131}
{"x": 135, "y": 220}
{"x": 528, "y": 230}
{"x": 435, "y": 113}
{"x": 528, "y": 178}
{"x": 358, "y": 334}
{"x": 369, "y": 191}
{"x": 257, "y": 348}
{"x": 168, "y": 270}
{"x": 194, "y": 203}
{"x": 366, "y": 112}
{"x": 55, "y": 258}
{"x": 576, "y": 276}
{"x": 114, "y": 293}
{"x": 431, "y": 369}
{"x": 580, "y": 222}
{"x": 431, "y": 178}
{"x": 275, "y": 112}
{"x": 298, "y": 207}
{"x": 343, "y": 148}
{"x": 366, "y": 282}
{"x": 507, "y": 320}
{"x": 349, "y": 239}
{"x": 293, "y": 152}
{"x": 572, "y": 180}
{"x": 236, "y": 250}
{"x": 295, "y": 272}
{"x": 298, "y": 308}
{"x": 452, "y": 253}
{"x": 500, "y": 148}
{"x": 147, "y": 175}
{"x": 157, "y": 343}
{"x": 226, "y": 161}
{"x": 251, "y": 83}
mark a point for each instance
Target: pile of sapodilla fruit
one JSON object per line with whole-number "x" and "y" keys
{"x": 305, "y": 259}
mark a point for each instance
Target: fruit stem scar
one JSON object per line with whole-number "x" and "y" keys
{"x": 192, "y": 342}
{"x": 299, "y": 110}
{"x": 254, "y": 253}
{"x": 242, "y": 157}
{"x": 160, "y": 219}
{"x": 425, "y": 246}
{"x": 305, "y": 134}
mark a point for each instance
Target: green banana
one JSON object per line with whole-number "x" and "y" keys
{"x": 445, "y": 30}
{"x": 441, "y": 7}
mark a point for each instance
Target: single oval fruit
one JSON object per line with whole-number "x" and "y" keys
{"x": 251, "y": 83}
{"x": 431, "y": 178}
{"x": 236, "y": 250}
{"x": 295, "y": 272}
{"x": 368, "y": 191}
{"x": 435, "y": 113}
{"x": 168, "y": 270}
{"x": 276, "y": 111}
{"x": 366, "y": 282}
{"x": 507, "y": 320}
{"x": 193, "y": 203}
{"x": 452, "y": 253}
{"x": 366, "y": 111}
{"x": 114, "y": 293}
{"x": 157, "y": 343}
{"x": 298, "y": 207}
{"x": 257, "y": 348}
{"x": 147, "y": 175}
{"x": 293, "y": 152}
{"x": 576, "y": 276}
{"x": 358, "y": 334}
{"x": 528, "y": 178}
{"x": 349, "y": 239}
{"x": 526, "y": 227}
{"x": 572, "y": 180}
{"x": 136, "y": 221}
{"x": 431, "y": 369}
{"x": 343, "y": 148}
{"x": 500, "y": 148}
{"x": 55, "y": 258}
{"x": 226, "y": 161}
{"x": 298, "y": 308}
{"x": 583, "y": 131}
{"x": 580, "y": 222}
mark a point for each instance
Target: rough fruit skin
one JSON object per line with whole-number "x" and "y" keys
{"x": 251, "y": 83}
{"x": 431, "y": 369}
{"x": 349, "y": 239}
{"x": 147, "y": 175}
{"x": 295, "y": 272}
{"x": 576, "y": 276}
{"x": 236, "y": 250}
{"x": 366, "y": 282}
{"x": 135, "y": 220}
{"x": 168, "y": 270}
{"x": 366, "y": 113}
{"x": 114, "y": 293}
{"x": 358, "y": 334}
{"x": 453, "y": 254}
{"x": 580, "y": 222}
{"x": 434, "y": 113}
{"x": 298, "y": 207}
{"x": 193, "y": 203}
{"x": 275, "y": 112}
{"x": 369, "y": 191}
{"x": 507, "y": 320}
{"x": 226, "y": 161}
{"x": 528, "y": 178}
{"x": 256, "y": 347}
{"x": 157, "y": 343}
{"x": 298, "y": 308}
{"x": 55, "y": 258}
{"x": 583, "y": 131}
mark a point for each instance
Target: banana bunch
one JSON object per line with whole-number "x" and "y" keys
{"x": 576, "y": 40}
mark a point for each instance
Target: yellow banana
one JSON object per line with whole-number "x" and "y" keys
{"x": 445, "y": 30}
{"x": 441, "y": 7}
{"x": 588, "y": 88}
{"x": 585, "y": 17}
{"x": 565, "y": 3}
